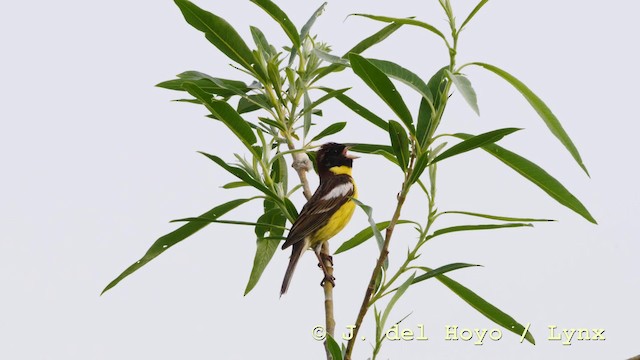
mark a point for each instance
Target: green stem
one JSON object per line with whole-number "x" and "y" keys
{"x": 382, "y": 292}
{"x": 384, "y": 252}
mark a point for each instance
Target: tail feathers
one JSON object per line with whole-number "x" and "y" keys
{"x": 296, "y": 251}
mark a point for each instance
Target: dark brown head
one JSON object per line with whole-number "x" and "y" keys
{"x": 333, "y": 155}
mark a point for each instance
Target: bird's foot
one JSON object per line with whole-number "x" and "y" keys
{"x": 326, "y": 257}
{"x": 329, "y": 278}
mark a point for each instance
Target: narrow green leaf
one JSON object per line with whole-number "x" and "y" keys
{"x": 229, "y": 222}
{"x": 433, "y": 153}
{"x": 421, "y": 164}
{"x": 485, "y": 308}
{"x": 372, "y": 223}
{"x": 307, "y": 115}
{"x": 441, "y": 270}
{"x": 265, "y": 249}
{"x": 475, "y": 227}
{"x": 364, "y": 235}
{"x": 272, "y": 123}
{"x": 250, "y": 103}
{"x": 312, "y": 20}
{"x": 291, "y": 209}
{"x": 542, "y": 109}
{"x": 373, "y": 40}
{"x": 370, "y": 148}
{"x": 383, "y": 87}
{"x": 332, "y": 129}
{"x": 472, "y": 14}
{"x": 385, "y": 150}
{"x": 463, "y": 85}
{"x": 359, "y": 48}
{"x": 274, "y": 75}
{"x": 270, "y": 211}
{"x": 496, "y": 217}
{"x": 334, "y": 348}
{"x": 399, "y": 143}
{"x": 261, "y": 42}
{"x": 360, "y": 110}
{"x": 234, "y": 184}
{"x": 281, "y": 18}
{"x": 197, "y": 75}
{"x": 437, "y": 84}
{"x": 291, "y": 79}
{"x": 330, "y": 58}
{"x": 205, "y": 82}
{"x": 322, "y": 99}
{"x": 407, "y": 77}
{"x": 275, "y": 173}
{"x": 406, "y": 21}
{"x": 304, "y": 32}
{"x": 226, "y": 114}
{"x": 538, "y": 176}
{"x": 398, "y": 294}
{"x": 242, "y": 175}
{"x": 260, "y": 101}
{"x": 274, "y": 222}
{"x": 219, "y": 32}
{"x": 167, "y": 241}
{"x": 475, "y": 142}
{"x": 280, "y": 172}
{"x": 425, "y": 114}
{"x": 190, "y": 101}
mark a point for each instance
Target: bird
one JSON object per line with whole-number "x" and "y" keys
{"x": 327, "y": 212}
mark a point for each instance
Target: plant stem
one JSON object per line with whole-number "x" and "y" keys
{"x": 330, "y": 322}
{"x": 302, "y": 164}
{"x": 382, "y": 292}
{"x": 368, "y": 298}
{"x": 384, "y": 252}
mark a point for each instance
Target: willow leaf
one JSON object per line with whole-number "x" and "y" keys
{"x": 330, "y": 130}
{"x": 365, "y": 234}
{"x": 406, "y": 21}
{"x": 538, "y": 176}
{"x": 485, "y": 308}
{"x": 281, "y": 18}
{"x": 475, "y": 142}
{"x": 219, "y": 32}
{"x": 542, "y": 109}
{"x": 383, "y": 87}
{"x": 359, "y": 109}
{"x": 167, "y": 241}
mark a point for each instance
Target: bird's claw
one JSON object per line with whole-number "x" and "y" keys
{"x": 330, "y": 279}
{"x": 327, "y": 257}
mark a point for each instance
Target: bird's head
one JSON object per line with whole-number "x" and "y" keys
{"x": 333, "y": 155}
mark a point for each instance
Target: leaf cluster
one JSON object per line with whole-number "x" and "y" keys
{"x": 272, "y": 109}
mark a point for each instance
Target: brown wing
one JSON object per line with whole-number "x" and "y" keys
{"x": 320, "y": 208}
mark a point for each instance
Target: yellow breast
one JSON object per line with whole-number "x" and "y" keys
{"x": 340, "y": 218}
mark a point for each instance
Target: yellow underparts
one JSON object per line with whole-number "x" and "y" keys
{"x": 341, "y": 218}
{"x": 339, "y": 170}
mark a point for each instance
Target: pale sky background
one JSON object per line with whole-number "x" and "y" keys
{"x": 96, "y": 161}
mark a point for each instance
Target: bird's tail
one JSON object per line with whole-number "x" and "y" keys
{"x": 296, "y": 251}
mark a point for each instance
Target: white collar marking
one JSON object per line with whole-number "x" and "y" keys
{"x": 339, "y": 191}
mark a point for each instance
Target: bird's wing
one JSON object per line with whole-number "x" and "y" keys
{"x": 330, "y": 196}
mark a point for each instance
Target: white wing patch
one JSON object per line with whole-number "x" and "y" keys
{"x": 339, "y": 191}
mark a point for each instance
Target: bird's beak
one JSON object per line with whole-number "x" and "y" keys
{"x": 349, "y": 156}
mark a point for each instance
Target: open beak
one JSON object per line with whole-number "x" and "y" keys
{"x": 347, "y": 155}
